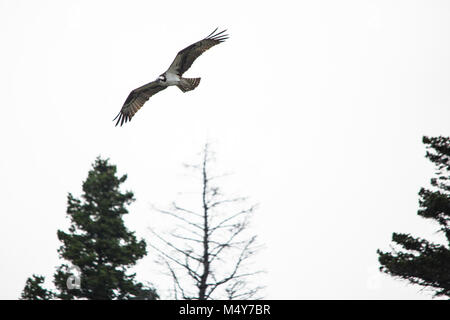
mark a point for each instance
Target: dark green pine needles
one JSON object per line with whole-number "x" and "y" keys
{"x": 418, "y": 260}
{"x": 98, "y": 245}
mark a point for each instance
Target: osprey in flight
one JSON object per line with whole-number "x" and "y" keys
{"x": 172, "y": 77}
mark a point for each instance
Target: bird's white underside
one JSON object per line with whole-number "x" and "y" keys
{"x": 172, "y": 79}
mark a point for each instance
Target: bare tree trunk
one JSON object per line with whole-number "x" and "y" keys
{"x": 204, "y": 278}
{"x": 212, "y": 249}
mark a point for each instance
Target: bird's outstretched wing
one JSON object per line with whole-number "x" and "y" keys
{"x": 136, "y": 100}
{"x": 186, "y": 57}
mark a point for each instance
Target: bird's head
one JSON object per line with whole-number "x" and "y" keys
{"x": 162, "y": 78}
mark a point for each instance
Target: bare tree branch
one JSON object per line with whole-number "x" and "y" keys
{"x": 215, "y": 249}
{"x": 222, "y": 223}
{"x": 191, "y": 272}
{"x": 179, "y": 217}
{"x": 176, "y": 207}
{"x": 222, "y": 202}
{"x": 177, "y": 285}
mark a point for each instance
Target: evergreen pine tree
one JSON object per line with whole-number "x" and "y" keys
{"x": 33, "y": 289}
{"x": 423, "y": 262}
{"x": 98, "y": 246}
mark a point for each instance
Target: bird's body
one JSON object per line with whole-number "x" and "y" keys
{"x": 172, "y": 77}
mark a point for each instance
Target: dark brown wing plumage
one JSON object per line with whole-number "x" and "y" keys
{"x": 186, "y": 57}
{"x": 136, "y": 100}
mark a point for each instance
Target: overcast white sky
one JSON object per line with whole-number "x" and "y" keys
{"x": 318, "y": 107}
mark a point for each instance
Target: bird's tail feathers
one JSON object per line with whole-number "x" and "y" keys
{"x": 188, "y": 84}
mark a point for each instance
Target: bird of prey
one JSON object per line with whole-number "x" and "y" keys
{"x": 172, "y": 77}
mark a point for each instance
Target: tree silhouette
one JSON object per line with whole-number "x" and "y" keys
{"x": 420, "y": 261}
{"x": 34, "y": 291}
{"x": 208, "y": 252}
{"x": 98, "y": 246}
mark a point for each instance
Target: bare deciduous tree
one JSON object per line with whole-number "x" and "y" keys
{"x": 207, "y": 253}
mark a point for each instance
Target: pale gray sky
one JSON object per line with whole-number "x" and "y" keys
{"x": 318, "y": 107}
